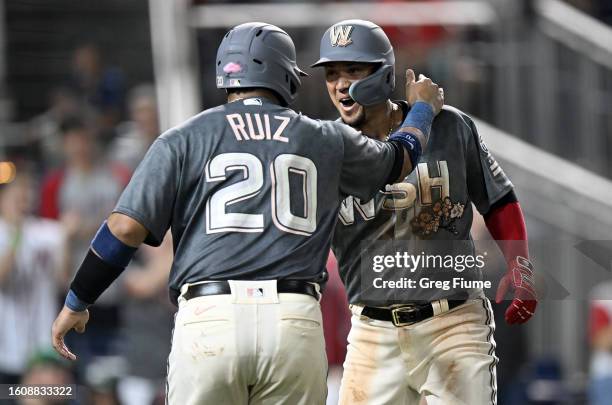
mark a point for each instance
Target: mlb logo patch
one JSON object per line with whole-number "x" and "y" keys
{"x": 234, "y": 82}
{"x": 255, "y": 292}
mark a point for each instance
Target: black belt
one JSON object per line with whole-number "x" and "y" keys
{"x": 223, "y": 288}
{"x": 408, "y": 314}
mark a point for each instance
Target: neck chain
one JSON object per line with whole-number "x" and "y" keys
{"x": 392, "y": 121}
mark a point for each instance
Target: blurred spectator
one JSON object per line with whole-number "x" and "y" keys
{"x": 600, "y": 331}
{"x": 336, "y": 325}
{"x": 135, "y": 136}
{"x": 45, "y": 128}
{"x": 101, "y": 86}
{"x": 31, "y": 261}
{"x": 101, "y": 377}
{"x": 147, "y": 321}
{"x": 47, "y": 368}
{"x": 81, "y": 194}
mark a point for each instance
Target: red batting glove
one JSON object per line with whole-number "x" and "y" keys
{"x": 520, "y": 278}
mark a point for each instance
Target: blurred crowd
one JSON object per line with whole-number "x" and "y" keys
{"x": 78, "y": 157}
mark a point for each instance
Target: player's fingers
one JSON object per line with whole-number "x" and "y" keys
{"x": 424, "y": 78}
{"x": 410, "y": 77}
{"x": 510, "y": 315}
{"x": 60, "y": 347}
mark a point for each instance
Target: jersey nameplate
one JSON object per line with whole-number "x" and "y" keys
{"x": 258, "y": 127}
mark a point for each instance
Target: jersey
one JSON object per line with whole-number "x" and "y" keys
{"x": 251, "y": 191}
{"x": 434, "y": 202}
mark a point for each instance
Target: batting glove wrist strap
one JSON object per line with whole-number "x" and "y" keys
{"x": 74, "y": 303}
{"x": 519, "y": 278}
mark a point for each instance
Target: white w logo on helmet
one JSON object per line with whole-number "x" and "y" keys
{"x": 340, "y": 35}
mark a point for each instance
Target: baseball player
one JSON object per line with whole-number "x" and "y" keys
{"x": 442, "y": 349}
{"x": 251, "y": 192}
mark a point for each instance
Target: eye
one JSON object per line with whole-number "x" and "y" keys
{"x": 331, "y": 75}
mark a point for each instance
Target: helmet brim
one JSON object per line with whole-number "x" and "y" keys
{"x": 324, "y": 61}
{"x": 300, "y": 72}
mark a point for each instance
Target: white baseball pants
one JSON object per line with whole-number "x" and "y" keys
{"x": 445, "y": 360}
{"x": 248, "y": 349}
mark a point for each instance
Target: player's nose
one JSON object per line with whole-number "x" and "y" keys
{"x": 342, "y": 85}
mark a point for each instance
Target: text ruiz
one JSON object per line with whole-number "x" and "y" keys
{"x": 257, "y": 127}
{"x": 422, "y": 261}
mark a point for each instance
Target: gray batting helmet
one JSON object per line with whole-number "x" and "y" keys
{"x": 259, "y": 55}
{"x": 361, "y": 41}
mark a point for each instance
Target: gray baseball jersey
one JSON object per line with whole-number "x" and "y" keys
{"x": 251, "y": 190}
{"x": 433, "y": 203}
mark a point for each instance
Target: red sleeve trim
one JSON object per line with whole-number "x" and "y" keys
{"x": 506, "y": 223}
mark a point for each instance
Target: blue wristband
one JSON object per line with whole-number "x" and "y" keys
{"x": 410, "y": 143}
{"x": 74, "y": 303}
{"x": 110, "y": 249}
{"x": 420, "y": 116}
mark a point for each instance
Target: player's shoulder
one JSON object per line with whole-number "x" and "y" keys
{"x": 197, "y": 123}
{"x": 336, "y": 127}
{"x": 450, "y": 115}
{"x": 322, "y": 127}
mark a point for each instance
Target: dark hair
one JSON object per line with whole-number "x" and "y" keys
{"x": 72, "y": 123}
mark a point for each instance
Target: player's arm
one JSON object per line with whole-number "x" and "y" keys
{"x": 143, "y": 214}
{"x": 109, "y": 254}
{"x": 492, "y": 193}
{"x": 426, "y": 100}
{"x": 506, "y": 224}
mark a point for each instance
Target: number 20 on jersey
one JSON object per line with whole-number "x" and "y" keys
{"x": 251, "y": 167}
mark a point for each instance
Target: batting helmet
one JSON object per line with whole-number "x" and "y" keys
{"x": 259, "y": 55}
{"x": 361, "y": 41}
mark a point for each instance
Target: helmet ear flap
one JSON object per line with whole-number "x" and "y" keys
{"x": 374, "y": 89}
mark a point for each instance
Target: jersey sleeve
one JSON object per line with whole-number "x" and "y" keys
{"x": 487, "y": 182}
{"x": 366, "y": 163}
{"x": 149, "y": 196}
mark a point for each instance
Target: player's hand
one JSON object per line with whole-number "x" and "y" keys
{"x": 423, "y": 90}
{"x": 519, "y": 279}
{"x": 65, "y": 321}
